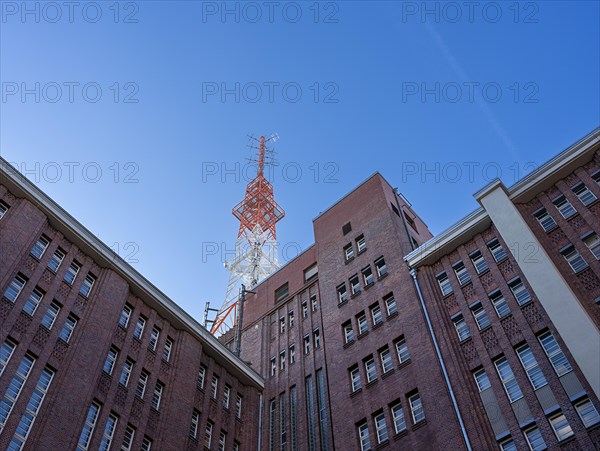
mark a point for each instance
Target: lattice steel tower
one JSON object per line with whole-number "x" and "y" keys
{"x": 256, "y": 246}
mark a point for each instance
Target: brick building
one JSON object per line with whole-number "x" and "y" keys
{"x": 378, "y": 336}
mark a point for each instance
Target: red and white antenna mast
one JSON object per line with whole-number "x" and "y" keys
{"x": 256, "y": 246}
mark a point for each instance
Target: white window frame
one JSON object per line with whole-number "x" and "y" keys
{"x": 584, "y": 194}
{"x": 560, "y": 425}
{"x": 381, "y": 431}
{"x": 88, "y": 426}
{"x": 481, "y": 379}
{"x": 398, "y": 418}
{"x": 555, "y": 354}
{"x": 461, "y": 273}
{"x": 445, "y": 285}
{"x": 72, "y": 272}
{"x": 370, "y": 369}
{"x": 545, "y": 219}
{"x": 16, "y": 285}
{"x": 40, "y": 247}
{"x": 532, "y": 368}
{"x": 585, "y": 406}
{"x": 56, "y": 260}
{"x": 564, "y": 207}
{"x": 416, "y": 408}
{"x": 507, "y": 377}
{"x": 592, "y": 241}
{"x": 68, "y": 328}
{"x": 52, "y": 313}
{"x": 402, "y": 350}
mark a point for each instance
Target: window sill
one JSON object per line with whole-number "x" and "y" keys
{"x": 392, "y": 315}
{"x": 370, "y": 384}
{"x": 200, "y": 389}
{"x": 364, "y": 334}
{"x": 348, "y": 344}
{"x": 378, "y": 325}
{"x": 226, "y": 409}
{"x": 348, "y": 260}
{"x": 355, "y": 392}
{"x": 403, "y": 364}
{"x": 489, "y": 326}
{"x": 464, "y": 284}
{"x": 464, "y": 340}
{"x": 400, "y": 434}
{"x": 501, "y": 260}
{"x": 572, "y": 216}
{"x": 353, "y": 295}
{"x": 383, "y": 444}
{"x": 152, "y": 351}
{"x": 564, "y": 441}
{"x": 341, "y": 304}
{"x": 525, "y": 303}
{"x": 361, "y": 252}
{"x": 484, "y": 272}
{"x": 581, "y": 270}
{"x": 387, "y": 373}
{"x": 383, "y": 276}
{"x": 420, "y": 424}
{"x": 369, "y": 285}
{"x": 551, "y": 229}
{"x": 593, "y": 427}
{"x": 444, "y": 296}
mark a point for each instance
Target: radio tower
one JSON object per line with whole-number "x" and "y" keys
{"x": 256, "y": 246}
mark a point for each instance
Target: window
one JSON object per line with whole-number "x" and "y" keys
{"x": 141, "y": 385}
{"x": 416, "y": 408}
{"x": 304, "y": 310}
{"x": 72, "y": 272}
{"x": 15, "y": 288}
{"x": 125, "y": 315}
{"x": 6, "y": 352}
{"x": 167, "y": 349}
{"x": 402, "y": 350}
{"x": 348, "y": 252}
{"x": 481, "y": 378}
{"x": 390, "y": 304}
{"x": 282, "y": 423}
{"x": 480, "y": 315}
{"x": 587, "y": 412}
{"x": 273, "y": 366}
{"x": 236, "y": 446}
{"x": 380, "y": 428}
{"x": 154, "y": 338}
{"x": 354, "y": 284}
{"x": 313, "y": 302}
{"x": 593, "y": 243}
{"x": 574, "y": 259}
{"x": 126, "y": 373}
{"x": 370, "y": 369}
{"x": 361, "y": 244}
{"x": 595, "y": 176}
{"x": 194, "y": 424}
{"x": 292, "y": 354}
{"x": 222, "y": 440}
{"x": 282, "y": 292}
{"x": 461, "y": 328}
{"x": 157, "y": 395}
{"x": 342, "y": 293}
{"x": 531, "y": 367}
{"x": 479, "y": 262}
{"x": 561, "y": 426}
{"x": 128, "y": 438}
{"x": 546, "y": 221}
{"x": 499, "y": 303}
{"x": 508, "y": 379}
{"x": 535, "y": 439}
{"x": 508, "y": 445}
{"x": 564, "y": 207}
{"x": 386, "y": 360}
{"x": 367, "y": 274}
{"x": 111, "y": 358}
{"x": 238, "y": 406}
{"x": 317, "y": 338}
{"x": 14, "y": 389}
{"x": 307, "y": 344}
{"x": 557, "y": 357}
{"x": 208, "y": 434}
{"x": 291, "y": 319}
{"x": 281, "y": 325}
{"x": 56, "y": 259}
{"x": 519, "y": 291}
{"x": 363, "y": 437}
{"x": 32, "y": 302}
{"x": 88, "y": 426}
{"x": 444, "y": 284}
{"x": 398, "y": 418}
{"x": 461, "y": 273}
{"x": 363, "y": 326}
{"x": 146, "y": 444}
{"x": 50, "y": 316}
{"x": 381, "y": 267}
{"x": 109, "y": 431}
{"x": 585, "y": 195}
{"x": 376, "y": 315}
{"x": 139, "y": 328}
{"x": 87, "y": 285}
{"x": 282, "y": 361}
{"x": 311, "y": 273}
{"x": 40, "y": 247}
{"x": 3, "y": 209}
{"x": 226, "y": 396}
{"x": 68, "y": 327}
{"x": 214, "y": 386}
{"x": 201, "y": 377}
{"x": 348, "y": 332}
{"x": 355, "y": 381}
{"x": 497, "y": 250}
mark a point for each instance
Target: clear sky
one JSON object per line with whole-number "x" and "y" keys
{"x": 134, "y": 116}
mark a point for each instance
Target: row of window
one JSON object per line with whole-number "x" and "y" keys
{"x": 376, "y": 318}
{"x": 291, "y": 317}
{"x": 398, "y": 421}
{"x": 214, "y": 391}
{"x": 208, "y": 433}
{"x": 575, "y": 259}
{"x": 108, "y": 432}
{"x": 138, "y": 332}
{"x": 367, "y": 277}
{"x": 361, "y": 246}
{"x": 385, "y": 360}
{"x": 316, "y": 340}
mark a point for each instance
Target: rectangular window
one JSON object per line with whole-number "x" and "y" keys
{"x": 584, "y": 194}
{"x": 311, "y": 273}
{"x": 226, "y": 396}
{"x": 214, "y": 386}
{"x": 354, "y": 284}
{"x": 462, "y": 329}
{"x": 236, "y": 446}
{"x": 444, "y": 283}
{"x": 304, "y": 310}
{"x": 87, "y": 285}
{"x": 376, "y": 315}
{"x": 416, "y": 408}
{"x": 390, "y": 304}
{"x": 222, "y": 440}
{"x": 194, "y": 424}
{"x": 561, "y": 426}
{"x": 273, "y": 367}
{"x": 348, "y": 332}
{"x": 367, "y": 274}
{"x": 282, "y": 292}
{"x": 157, "y": 395}
{"x": 497, "y": 250}
{"x": 574, "y": 259}
{"x": 141, "y": 385}
{"x": 126, "y": 373}
{"x": 317, "y": 338}
{"x": 128, "y": 438}
{"x": 272, "y": 425}
{"x": 15, "y": 288}
{"x": 342, "y": 293}
{"x": 558, "y": 359}
{"x": 499, "y": 303}
{"x": 153, "y": 338}
{"x": 238, "y": 406}
{"x": 282, "y": 423}
{"x": 50, "y": 316}
{"x": 363, "y": 326}
{"x": 593, "y": 243}
{"x": 291, "y": 319}
{"x": 282, "y": 361}
{"x": 208, "y": 434}
{"x": 461, "y": 273}
{"x": 307, "y": 344}
{"x": 355, "y": 380}
{"x": 67, "y": 330}
{"x": 479, "y": 262}
{"x": 313, "y": 302}
{"x": 292, "y": 354}
{"x": 293, "y": 418}
{"x": 88, "y": 427}
{"x": 531, "y": 367}
{"x": 363, "y": 437}
{"x": 386, "y": 360}
{"x": 167, "y": 349}
{"x": 587, "y": 412}
{"x": 348, "y": 252}
{"x": 546, "y": 221}
{"x": 596, "y": 177}
{"x": 535, "y": 439}
{"x": 32, "y": 302}
{"x": 14, "y": 389}
{"x": 564, "y": 207}
{"x": 381, "y": 267}
{"x": 508, "y": 445}
{"x": 519, "y": 291}
{"x": 139, "y": 328}
{"x": 370, "y": 369}
{"x": 3, "y": 209}
{"x": 71, "y": 273}
{"x": 111, "y": 358}
{"x": 147, "y": 444}
{"x": 361, "y": 244}
{"x": 201, "y": 377}
{"x": 282, "y": 325}
{"x": 398, "y": 418}
{"x": 402, "y": 350}
{"x": 480, "y": 315}
{"x": 56, "y": 259}
{"x": 507, "y": 377}
{"x": 6, "y": 352}
{"x": 380, "y": 428}
{"x": 481, "y": 378}
{"x": 109, "y": 431}
{"x": 125, "y": 315}
{"x": 40, "y": 247}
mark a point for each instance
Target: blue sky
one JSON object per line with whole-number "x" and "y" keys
{"x": 134, "y": 115}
